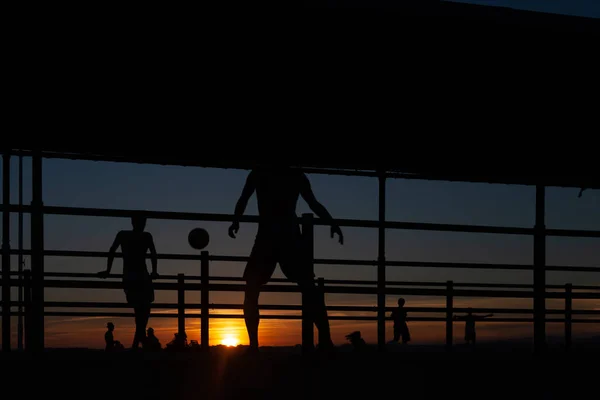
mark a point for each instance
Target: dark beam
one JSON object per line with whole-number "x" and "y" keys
{"x": 6, "y": 330}
{"x": 346, "y": 167}
{"x": 539, "y": 272}
{"x": 37, "y": 257}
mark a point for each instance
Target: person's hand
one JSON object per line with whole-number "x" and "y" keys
{"x": 336, "y": 229}
{"x": 103, "y": 274}
{"x": 233, "y": 229}
{"x": 154, "y": 275}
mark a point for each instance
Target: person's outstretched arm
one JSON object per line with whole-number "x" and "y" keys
{"x": 111, "y": 256}
{"x": 308, "y": 195}
{"x": 242, "y": 203}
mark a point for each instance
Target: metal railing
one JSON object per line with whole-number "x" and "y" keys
{"x": 381, "y": 287}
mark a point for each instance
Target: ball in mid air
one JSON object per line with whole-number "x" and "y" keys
{"x": 198, "y": 238}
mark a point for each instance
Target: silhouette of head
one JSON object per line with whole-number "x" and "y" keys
{"x": 110, "y": 326}
{"x": 150, "y": 331}
{"x": 469, "y": 311}
{"x": 401, "y": 302}
{"x": 353, "y": 336}
{"x": 138, "y": 222}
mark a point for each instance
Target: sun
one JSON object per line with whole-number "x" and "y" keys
{"x": 229, "y": 341}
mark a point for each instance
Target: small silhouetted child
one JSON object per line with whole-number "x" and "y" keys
{"x": 119, "y": 346}
{"x": 470, "y": 335}
{"x": 109, "y": 338}
{"x": 152, "y": 343}
{"x": 400, "y": 326}
{"x": 356, "y": 341}
{"x": 178, "y": 343}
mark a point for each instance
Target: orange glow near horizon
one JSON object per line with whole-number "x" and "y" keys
{"x": 232, "y": 332}
{"x": 229, "y": 341}
{"x": 89, "y": 331}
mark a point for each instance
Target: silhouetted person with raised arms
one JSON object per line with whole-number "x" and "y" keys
{"x": 470, "y": 335}
{"x": 109, "y": 338}
{"x": 279, "y": 240}
{"x": 400, "y": 326}
{"x": 137, "y": 283}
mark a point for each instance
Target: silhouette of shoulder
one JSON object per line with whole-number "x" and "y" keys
{"x": 128, "y": 235}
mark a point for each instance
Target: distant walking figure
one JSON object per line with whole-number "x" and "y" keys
{"x": 279, "y": 240}
{"x": 109, "y": 338}
{"x": 470, "y": 335}
{"x": 400, "y": 326}
{"x": 137, "y": 283}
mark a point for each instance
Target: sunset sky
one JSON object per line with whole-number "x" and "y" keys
{"x": 162, "y": 188}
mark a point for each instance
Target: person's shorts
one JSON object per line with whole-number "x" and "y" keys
{"x": 139, "y": 292}
{"x": 289, "y": 250}
{"x": 402, "y": 331}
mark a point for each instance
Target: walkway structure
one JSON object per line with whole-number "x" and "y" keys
{"x": 38, "y": 279}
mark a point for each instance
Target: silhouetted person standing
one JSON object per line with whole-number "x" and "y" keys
{"x": 470, "y": 335}
{"x": 109, "y": 338}
{"x": 400, "y": 326}
{"x": 279, "y": 240}
{"x": 137, "y": 283}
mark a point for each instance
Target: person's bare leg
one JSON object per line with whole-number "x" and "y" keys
{"x": 251, "y": 313}
{"x": 142, "y": 315}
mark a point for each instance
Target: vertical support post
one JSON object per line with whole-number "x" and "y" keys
{"x": 568, "y": 315}
{"x": 449, "y": 314}
{"x": 27, "y": 301}
{"x": 308, "y": 341}
{"x": 321, "y": 288}
{"x": 204, "y": 299}
{"x": 20, "y": 261}
{"x": 6, "y": 333}
{"x": 381, "y": 265}
{"x": 37, "y": 256}
{"x": 539, "y": 272}
{"x": 180, "y": 304}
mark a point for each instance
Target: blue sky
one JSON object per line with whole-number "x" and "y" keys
{"x": 586, "y": 8}
{"x": 134, "y": 186}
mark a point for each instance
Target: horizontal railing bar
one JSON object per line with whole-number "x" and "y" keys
{"x": 289, "y": 317}
{"x": 321, "y": 261}
{"x": 452, "y": 265}
{"x": 572, "y": 233}
{"x": 291, "y": 307}
{"x": 356, "y": 223}
{"x": 326, "y": 281}
{"x": 414, "y": 264}
{"x": 327, "y": 289}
